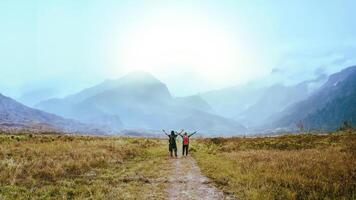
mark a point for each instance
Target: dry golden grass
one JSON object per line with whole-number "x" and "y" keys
{"x": 285, "y": 167}
{"x": 81, "y": 167}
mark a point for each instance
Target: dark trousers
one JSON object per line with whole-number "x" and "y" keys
{"x": 173, "y": 149}
{"x": 185, "y": 149}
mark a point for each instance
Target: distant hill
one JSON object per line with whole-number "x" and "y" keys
{"x": 14, "y": 115}
{"x": 253, "y": 105}
{"x": 194, "y": 102}
{"x": 328, "y": 107}
{"x": 32, "y": 97}
{"x": 141, "y": 101}
{"x": 230, "y": 102}
{"x": 274, "y": 99}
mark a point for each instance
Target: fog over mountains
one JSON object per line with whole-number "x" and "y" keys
{"x": 252, "y": 106}
{"x": 139, "y": 101}
{"x": 14, "y": 115}
{"x": 319, "y": 104}
{"x": 329, "y": 106}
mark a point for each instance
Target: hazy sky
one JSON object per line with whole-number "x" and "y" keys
{"x": 193, "y": 46}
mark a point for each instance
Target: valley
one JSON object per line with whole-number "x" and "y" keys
{"x": 139, "y": 102}
{"x": 177, "y": 100}
{"x": 58, "y": 166}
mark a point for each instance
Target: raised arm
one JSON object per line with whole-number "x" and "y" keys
{"x": 165, "y": 132}
{"x": 180, "y": 133}
{"x": 192, "y": 134}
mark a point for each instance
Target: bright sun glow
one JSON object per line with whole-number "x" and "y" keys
{"x": 194, "y": 46}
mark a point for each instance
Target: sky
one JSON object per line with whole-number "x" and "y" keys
{"x": 63, "y": 46}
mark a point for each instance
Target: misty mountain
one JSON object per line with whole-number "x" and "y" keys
{"x": 141, "y": 102}
{"x": 326, "y": 108}
{"x": 231, "y": 101}
{"x": 32, "y": 97}
{"x": 274, "y": 99}
{"x": 253, "y": 105}
{"x": 16, "y": 115}
{"x": 194, "y": 102}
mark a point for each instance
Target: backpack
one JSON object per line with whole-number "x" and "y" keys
{"x": 185, "y": 139}
{"x": 172, "y": 139}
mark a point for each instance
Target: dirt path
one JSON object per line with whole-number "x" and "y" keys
{"x": 187, "y": 182}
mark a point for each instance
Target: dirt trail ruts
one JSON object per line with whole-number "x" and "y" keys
{"x": 187, "y": 182}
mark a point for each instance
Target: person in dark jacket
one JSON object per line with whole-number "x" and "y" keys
{"x": 185, "y": 142}
{"x": 172, "y": 142}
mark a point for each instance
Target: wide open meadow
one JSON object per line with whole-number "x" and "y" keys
{"x": 56, "y": 166}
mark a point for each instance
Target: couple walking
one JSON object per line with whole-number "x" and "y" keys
{"x": 173, "y": 144}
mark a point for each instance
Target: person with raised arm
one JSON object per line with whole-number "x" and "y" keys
{"x": 185, "y": 143}
{"x": 172, "y": 142}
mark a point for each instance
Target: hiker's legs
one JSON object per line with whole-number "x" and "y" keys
{"x": 183, "y": 150}
{"x": 171, "y": 150}
{"x": 175, "y": 152}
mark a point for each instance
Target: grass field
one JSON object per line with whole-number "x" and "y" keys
{"x": 287, "y": 167}
{"x": 302, "y": 166}
{"x": 81, "y": 167}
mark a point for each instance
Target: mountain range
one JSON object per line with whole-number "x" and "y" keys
{"x": 327, "y": 108}
{"x": 253, "y": 105}
{"x": 14, "y": 115}
{"x": 140, "y": 101}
